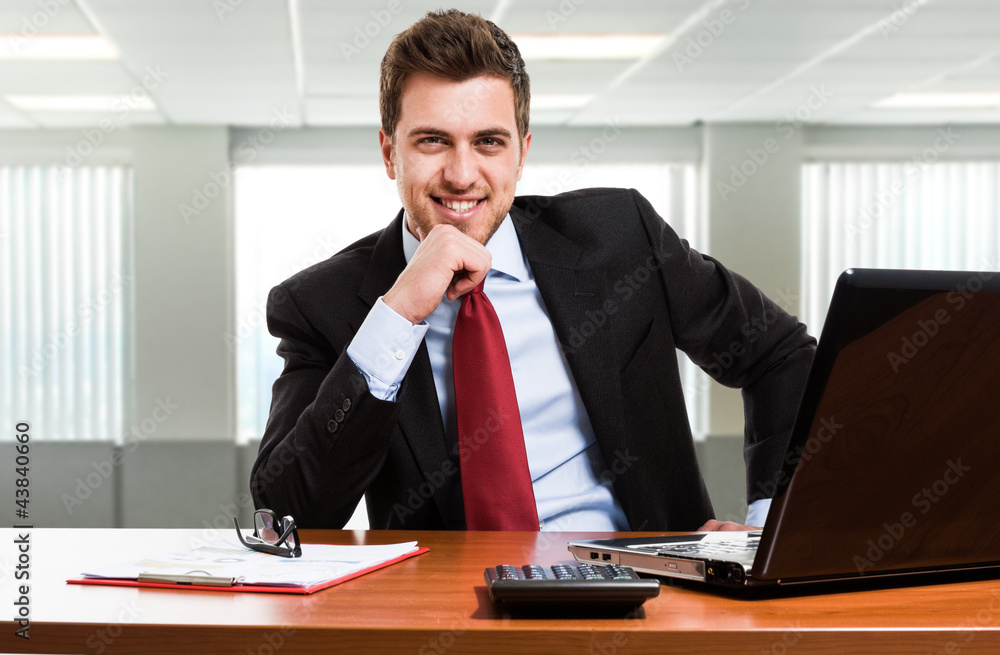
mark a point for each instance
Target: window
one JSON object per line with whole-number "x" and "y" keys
{"x": 289, "y": 217}
{"x": 64, "y": 299}
{"x": 895, "y": 215}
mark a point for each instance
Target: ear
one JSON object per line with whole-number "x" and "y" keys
{"x": 385, "y": 145}
{"x": 526, "y": 143}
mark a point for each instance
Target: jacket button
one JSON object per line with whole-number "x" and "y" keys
{"x": 347, "y": 405}
{"x": 332, "y": 426}
{"x": 339, "y": 415}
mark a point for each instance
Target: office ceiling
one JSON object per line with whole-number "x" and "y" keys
{"x": 247, "y": 62}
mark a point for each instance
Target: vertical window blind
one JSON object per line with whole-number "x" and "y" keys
{"x": 895, "y": 215}
{"x": 64, "y": 306}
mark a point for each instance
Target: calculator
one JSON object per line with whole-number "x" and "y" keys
{"x": 569, "y": 586}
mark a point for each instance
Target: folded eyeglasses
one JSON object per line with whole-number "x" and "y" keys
{"x": 272, "y": 535}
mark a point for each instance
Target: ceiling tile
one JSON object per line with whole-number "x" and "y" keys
{"x": 239, "y": 67}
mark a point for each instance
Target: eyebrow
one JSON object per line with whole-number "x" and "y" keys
{"x": 496, "y": 131}
{"x": 433, "y": 131}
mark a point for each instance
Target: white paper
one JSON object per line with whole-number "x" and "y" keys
{"x": 230, "y": 559}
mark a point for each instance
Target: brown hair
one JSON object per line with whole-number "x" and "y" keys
{"x": 456, "y": 46}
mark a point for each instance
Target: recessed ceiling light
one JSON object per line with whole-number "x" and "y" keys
{"x": 98, "y": 103}
{"x": 940, "y": 101}
{"x": 56, "y": 47}
{"x": 535, "y": 47}
{"x": 547, "y": 102}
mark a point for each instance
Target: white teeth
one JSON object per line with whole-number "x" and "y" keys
{"x": 460, "y": 206}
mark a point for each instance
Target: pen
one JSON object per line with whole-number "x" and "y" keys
{"x": 210, "y": 580}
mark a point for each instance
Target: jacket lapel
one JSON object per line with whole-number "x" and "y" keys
{"x": 420, "y": 414}
{"x": 387, "y": 262}
{"x": 574, "y": 295}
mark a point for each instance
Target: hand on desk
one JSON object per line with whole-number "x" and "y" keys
{"x": 725, "y": 526}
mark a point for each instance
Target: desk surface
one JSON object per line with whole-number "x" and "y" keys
{"x": 437, "y": 603}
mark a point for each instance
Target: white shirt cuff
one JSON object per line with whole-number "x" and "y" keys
{"x": 383, "y": 349}
{"x": 757, "y": 512}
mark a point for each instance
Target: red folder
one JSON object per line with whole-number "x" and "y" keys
{"x": 269, "y": 589}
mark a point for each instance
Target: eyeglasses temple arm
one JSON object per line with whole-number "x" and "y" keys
{"x": 239, "y": 533}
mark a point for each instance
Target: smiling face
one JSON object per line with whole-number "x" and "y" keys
{"x": 456, "y": 156}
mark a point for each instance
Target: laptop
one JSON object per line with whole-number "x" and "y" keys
{"x": 893, "y": 466}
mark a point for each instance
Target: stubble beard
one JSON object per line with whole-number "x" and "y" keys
{"x": 425, "y": 224}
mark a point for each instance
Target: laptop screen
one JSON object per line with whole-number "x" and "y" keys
{"x": 896, "y": 448}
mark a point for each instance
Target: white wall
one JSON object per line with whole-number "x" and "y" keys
{"x": 183, "y": 279}
{"x": 750, "y": 183}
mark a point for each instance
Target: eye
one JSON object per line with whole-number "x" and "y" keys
{"x": 491, "y": 142}
{"x": 431, "y": 139}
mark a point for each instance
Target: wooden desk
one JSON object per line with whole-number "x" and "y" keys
{"x": 436, "y": 603}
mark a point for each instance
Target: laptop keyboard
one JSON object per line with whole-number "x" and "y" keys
{"x": 723, "y": 548}
{"x": 711, "y": 549}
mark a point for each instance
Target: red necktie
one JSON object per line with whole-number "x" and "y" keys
{"x": 496, "y": 484}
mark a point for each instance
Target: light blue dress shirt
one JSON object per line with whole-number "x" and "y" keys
{"x": 571, "y": 481}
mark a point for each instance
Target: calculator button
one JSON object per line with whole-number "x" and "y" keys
{"x": 533, "y": 572}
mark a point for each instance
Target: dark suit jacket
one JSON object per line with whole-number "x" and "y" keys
{"x": 623, "y": 292}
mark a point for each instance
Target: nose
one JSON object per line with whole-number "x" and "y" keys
{"x": 460, "y": 171}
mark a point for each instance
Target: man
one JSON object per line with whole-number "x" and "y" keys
{"x": 593, "y": 293}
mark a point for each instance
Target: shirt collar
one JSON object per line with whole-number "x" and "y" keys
{"x": 508, "y": 258}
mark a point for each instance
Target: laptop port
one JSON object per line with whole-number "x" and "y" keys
{"x": 594, "y": 556}
{"x": 606, "y": 557}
